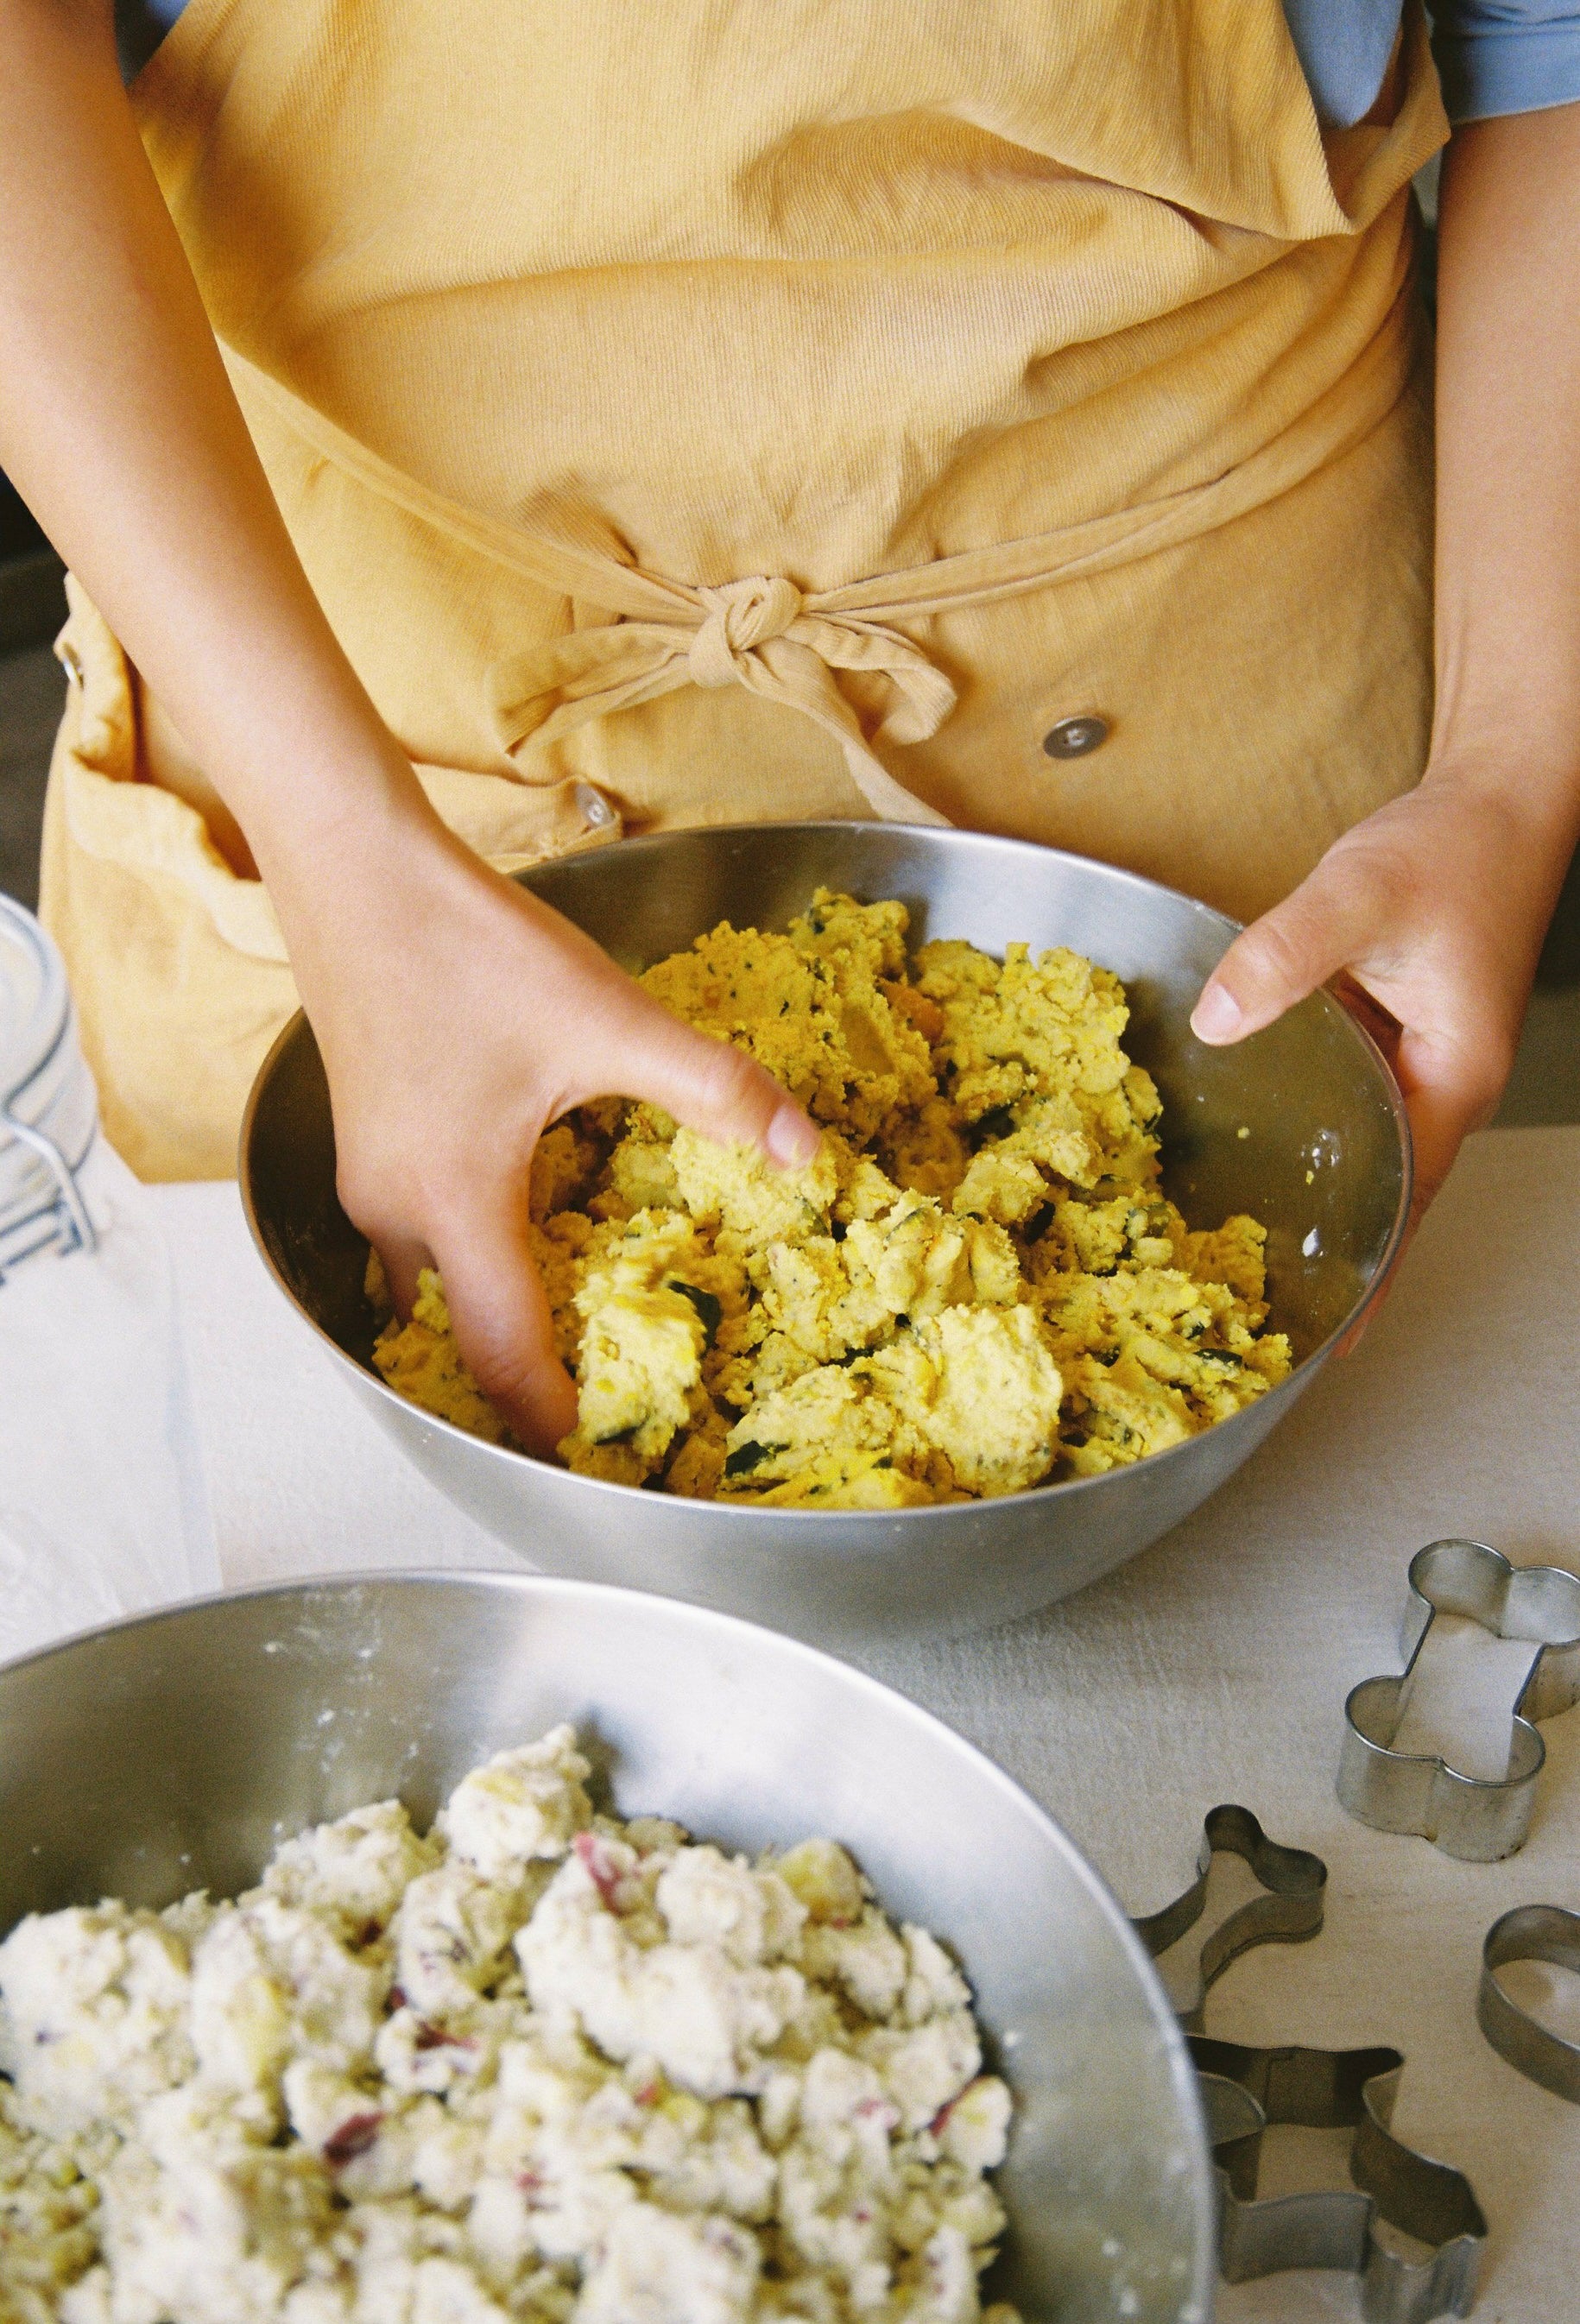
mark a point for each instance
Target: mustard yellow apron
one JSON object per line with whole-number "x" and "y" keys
{"x": 777, "y": 409}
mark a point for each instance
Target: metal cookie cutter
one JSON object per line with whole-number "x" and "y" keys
{"x": 1243, "y": 2091}
{"x": 1542, "y": 1933}
{"x": 1286, "y": 1915}
{"x": 1477, "y": 1818}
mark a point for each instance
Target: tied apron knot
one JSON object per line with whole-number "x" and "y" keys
{"x": 759, "y": 633}
{"x": 739, "y": 616}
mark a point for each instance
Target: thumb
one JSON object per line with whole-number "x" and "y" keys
{"x": 712, "y": 1086}
{"x": 502, "y": 1320}
{"x": 1283, "y": 957}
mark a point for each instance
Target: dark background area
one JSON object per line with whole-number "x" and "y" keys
{"x": 32, "y": 606}
{"x": 18, "y": 532}
{"x": 33, "y": 600}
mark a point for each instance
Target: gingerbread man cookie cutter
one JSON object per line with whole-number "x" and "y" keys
{"x": 1477, "y": 1818}
{"x": 1245, "y": 2092}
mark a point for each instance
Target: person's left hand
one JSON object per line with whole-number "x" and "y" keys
{"x": 1435, "y": 907}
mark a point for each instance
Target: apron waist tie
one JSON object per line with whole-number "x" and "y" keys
{"x": 761, "y": 634}
{"x": 640, "y": 634}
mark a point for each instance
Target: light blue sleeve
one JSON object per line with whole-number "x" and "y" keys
{"x": 1344, "y": 50}
{"x": 1506, "y": 56}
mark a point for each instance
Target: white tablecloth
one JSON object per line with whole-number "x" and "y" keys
{"x": 1213, "y": 1668}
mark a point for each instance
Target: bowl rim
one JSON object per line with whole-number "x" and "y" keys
{"x": 939, "y": 1512}
{"x": 645, "y": 1605}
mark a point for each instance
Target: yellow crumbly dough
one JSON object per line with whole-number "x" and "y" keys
{"x": 977, "y": 1286}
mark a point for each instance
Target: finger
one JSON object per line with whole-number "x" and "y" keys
{"x": 400, "y": 1254}
{"x": 402, "y": 1260}
{"x": 643, "y": 1051}
{"x": 1434, "y": 1144}
{"x": 713, "y": 1087}
{"x": 1445, "y": 1104}
{"x": 1331, "y": 918}
{"x": 502, "y": 1323}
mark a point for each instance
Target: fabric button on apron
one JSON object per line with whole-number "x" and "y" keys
{"x": 1072, "y": 738}
{"x": 595, "y": 811}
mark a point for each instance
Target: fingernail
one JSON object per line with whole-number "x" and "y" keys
{"x": 1217, "y": 1015}
{"x": 792, "y": 1140}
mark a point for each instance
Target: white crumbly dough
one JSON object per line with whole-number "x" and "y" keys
{"x": 538, "y": 2067}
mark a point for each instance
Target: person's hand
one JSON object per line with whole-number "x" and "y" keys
{"x": 1431, "y": 914}
{"x": 458, "y": 1016}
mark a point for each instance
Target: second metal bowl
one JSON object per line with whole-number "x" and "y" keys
{"x": 175, "y": 1752}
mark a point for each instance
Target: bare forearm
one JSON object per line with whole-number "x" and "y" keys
{"x": 1508, "y": 585}
{"x": 1436, "y": 905}
{"x": 118, "y": 424}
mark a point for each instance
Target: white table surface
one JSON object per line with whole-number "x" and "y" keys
{"x": 1215, "y": 1667}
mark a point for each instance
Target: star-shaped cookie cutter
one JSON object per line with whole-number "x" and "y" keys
{"x": 1477, "y": 1818}
{"x": 1294, "y": 1882}
{"x": 1245, "y": 2091}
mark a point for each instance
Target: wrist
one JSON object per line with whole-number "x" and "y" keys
{"x": 1506, "y": 723}
{"x": 347, "y": 842}
{"x": 1528, "y": 783}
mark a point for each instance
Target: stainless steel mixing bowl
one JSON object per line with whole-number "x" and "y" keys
{"x": 175, "y": 1752}
{"x": 1301, "y": 1125}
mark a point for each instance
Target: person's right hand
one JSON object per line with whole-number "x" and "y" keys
{"x": 458, "y": 1016}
